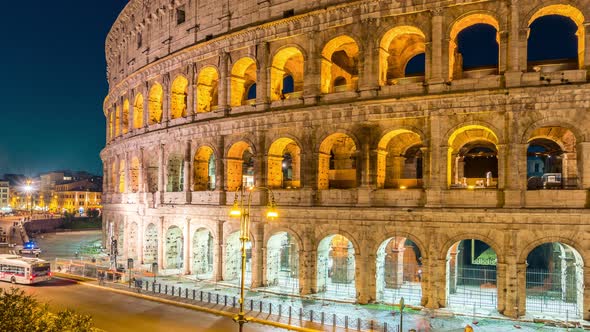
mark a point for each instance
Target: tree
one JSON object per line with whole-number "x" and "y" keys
{"x": 21, "y": 312}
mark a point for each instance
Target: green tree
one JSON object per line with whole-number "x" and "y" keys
{"x": 23, "y": 313}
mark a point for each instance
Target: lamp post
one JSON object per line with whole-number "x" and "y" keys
{"x": 29, "y": 194}
{"x": 241, "y": 210}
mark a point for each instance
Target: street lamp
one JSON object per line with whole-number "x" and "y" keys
{"x": 29, "y": 191}
{"x": 242, "y": 211}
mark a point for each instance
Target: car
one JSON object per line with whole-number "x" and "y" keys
{"x": 30, "y": 248}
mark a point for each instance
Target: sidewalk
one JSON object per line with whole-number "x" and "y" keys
{"x": 317, "y": 313}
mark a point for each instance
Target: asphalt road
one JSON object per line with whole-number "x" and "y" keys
{"x": 117, "y": 312}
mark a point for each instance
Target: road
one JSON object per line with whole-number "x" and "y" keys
{"x": 115, "y": 312}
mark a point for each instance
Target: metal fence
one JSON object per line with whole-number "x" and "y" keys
{"x": 554, "y": 293}
{"x": 474, "y": 288}
{"x": 277, "y": 311}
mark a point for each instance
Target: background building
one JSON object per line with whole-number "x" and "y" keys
{"x": 4, "y": 194}
{"x": 431, "y": 151}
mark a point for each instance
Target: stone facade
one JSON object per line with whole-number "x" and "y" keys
{"x": 200, "y": 106}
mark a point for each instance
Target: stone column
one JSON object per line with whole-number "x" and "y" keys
{"x": 161, "y": 243}
{"x": 140, "y": 240}
{"x": 312, "y": 78}
{"x": 394, "y": 267}
{"x": 166, "y": 88}
{"x": 224, "y": 81}
{"x": 218, "y": 253}
{"x": 126, "y": 174}
{"x": 583, "y": 160}
{"x": 502, "y": 165}
{"x": 586, "y": 299}
{"x": 161, "y": 174}
{"x": 503, "y": 51}
{"x": 105, "y": 178}
{"x": 187, "y": 247}
{"x": 520, "y": 289}
{"x": 435, "y": 276}
{"x": 369, "y": 68}
{"x": 141, "y": 183}
{"x": 191, "y": 97}
{"x": 257, "y": 254}
{"x": 523, "y": 35}
{"x": 435, "y": 56}
{"x": 426, "y": 171}
{"x": 186, "y": 183}
{"x": 108, "y": 127}
{"x": 365, "y": 270}
{"x": 262, "y": 76}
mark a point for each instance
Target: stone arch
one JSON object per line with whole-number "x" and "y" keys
{"x": 138, "y": 111}
{"x": 553, "y": 121}
{"x": 399, "y": 159}
{"x": 282, "y": 261}
{"x": 336, "y": 231}
{"x": 207, "y": 89}
{"x": 399, "y": 271}
{"x": 174, "y": 250}
{"x": 340, "y": 58}
{"x": 175, "y": 170}
{"x": 203, "y": 252}
{"x": 243, "y": 77}
{"x": 204, "y": 169}
{"x": 448, "y": 243}
{"x": 125, "y": 115}
{"x": 117, "y": 119}
{"x": 337, "y": 162}
{"x": 122, "y": 182}
{"x": 565, "y": 10}
{"x": 240, "y": 165}
{"x": 178, "y": 97}
{"x": 134, "y": 174}
{"x": 461, "y": 23}
{"x": 152, "y": 167}
{"x": 155, "y": 99}
{"x": 472, "y": 160}
{"x": 287, "y": 61}
{"x": 336, "y": 266}
{"x": 232, "y": 256}
{"x": 132, "y": 241}
{"x": 393, "y": 57}
{"x": 384, "y": 236}
{"x": 529, "y": 247}
{"x": 281, "y": 152}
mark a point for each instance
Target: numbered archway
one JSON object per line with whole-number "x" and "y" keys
{"x": 174, "y": 250}
{"x": 336, "y": 268}
{"x": 399, "y": 271}
{"x": 282, "y": 263}
{"x": 471, "y": 277}
{"x": 202, "y": 259}
{"x": 150, "y": 245}
{"x": 555, "y": 281}
{"x": 233, "y": 260}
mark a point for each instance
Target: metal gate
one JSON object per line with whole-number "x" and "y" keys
{"x": 474, "y": 287}
{"x": 560, "y": 294}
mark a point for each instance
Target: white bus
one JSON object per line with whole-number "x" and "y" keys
{"x": 23, "y": 270}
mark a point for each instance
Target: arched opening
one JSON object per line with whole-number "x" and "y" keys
{"x": 552, "y": 159}
{"x": 243, "y": 77}
{"x": 240, "y": 166}
{"x": 286, "y": 74}
{"x": 399, "y": 271}
{"x": 473, "y": 47}
{"x": 473, "y": 158}
{"x": 204, "y": 169}
{"x": 471, "y": 276}
{"x": 556, "y": 39}
{"x": 138, "y": 112}
{"x": 152, "y": 170}
{"x": 207, "y": 90}
{"x": 282, "y": 263}
{"x": 401, "y": 54}
{"x": 399, "y": 160}
{"x": 150, "y": 246}
{"x": 120, "y": 238}
{"x": 174, "y": 248}
{"x": 132, "y": 244}
{"x": 203, "y": 254}
{"x": 178, "y": 99}
{"x": 155, "y": 104}
{"x": 114, "y": 177}
{"x": 340, "y": 57}
{"x": 555, "y": 281}
{"x": 336, "y": 268}
{"x": 117, "y": 121}
{"x": 284, "y": 162}
{"x": 337, "y": 163}
{"x": 175, "y": 172}
{"x": 125, "y": 120}
{"x": 134, "y": 175}
{"x": 233, "y": 260}
{"x": 122, "y": 176}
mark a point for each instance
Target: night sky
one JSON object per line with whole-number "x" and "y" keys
{"x": 54, "y": 78}
{"x": 53, "y": 84}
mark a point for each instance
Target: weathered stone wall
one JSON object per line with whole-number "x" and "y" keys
{"x": 369, "y": 128}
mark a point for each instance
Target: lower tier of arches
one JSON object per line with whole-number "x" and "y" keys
{"x": 462, "y": 261}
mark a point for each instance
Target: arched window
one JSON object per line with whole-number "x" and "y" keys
{"x": 155, "y": 104}
{"x": 243, "y": 77}
{"x": 207, "y": 90}
{"x": 401, "y": 54}
{"x": 286, "y": 73}
{"x": 340, "y": 57}
{"x": 178, "y": 98}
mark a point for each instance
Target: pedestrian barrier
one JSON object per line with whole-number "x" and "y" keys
{"x": 278, "y": 311}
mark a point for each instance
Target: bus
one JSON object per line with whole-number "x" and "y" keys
{"x": 24, "y": 270}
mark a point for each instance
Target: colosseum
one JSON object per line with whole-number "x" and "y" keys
{"x": 401, "y": 161}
